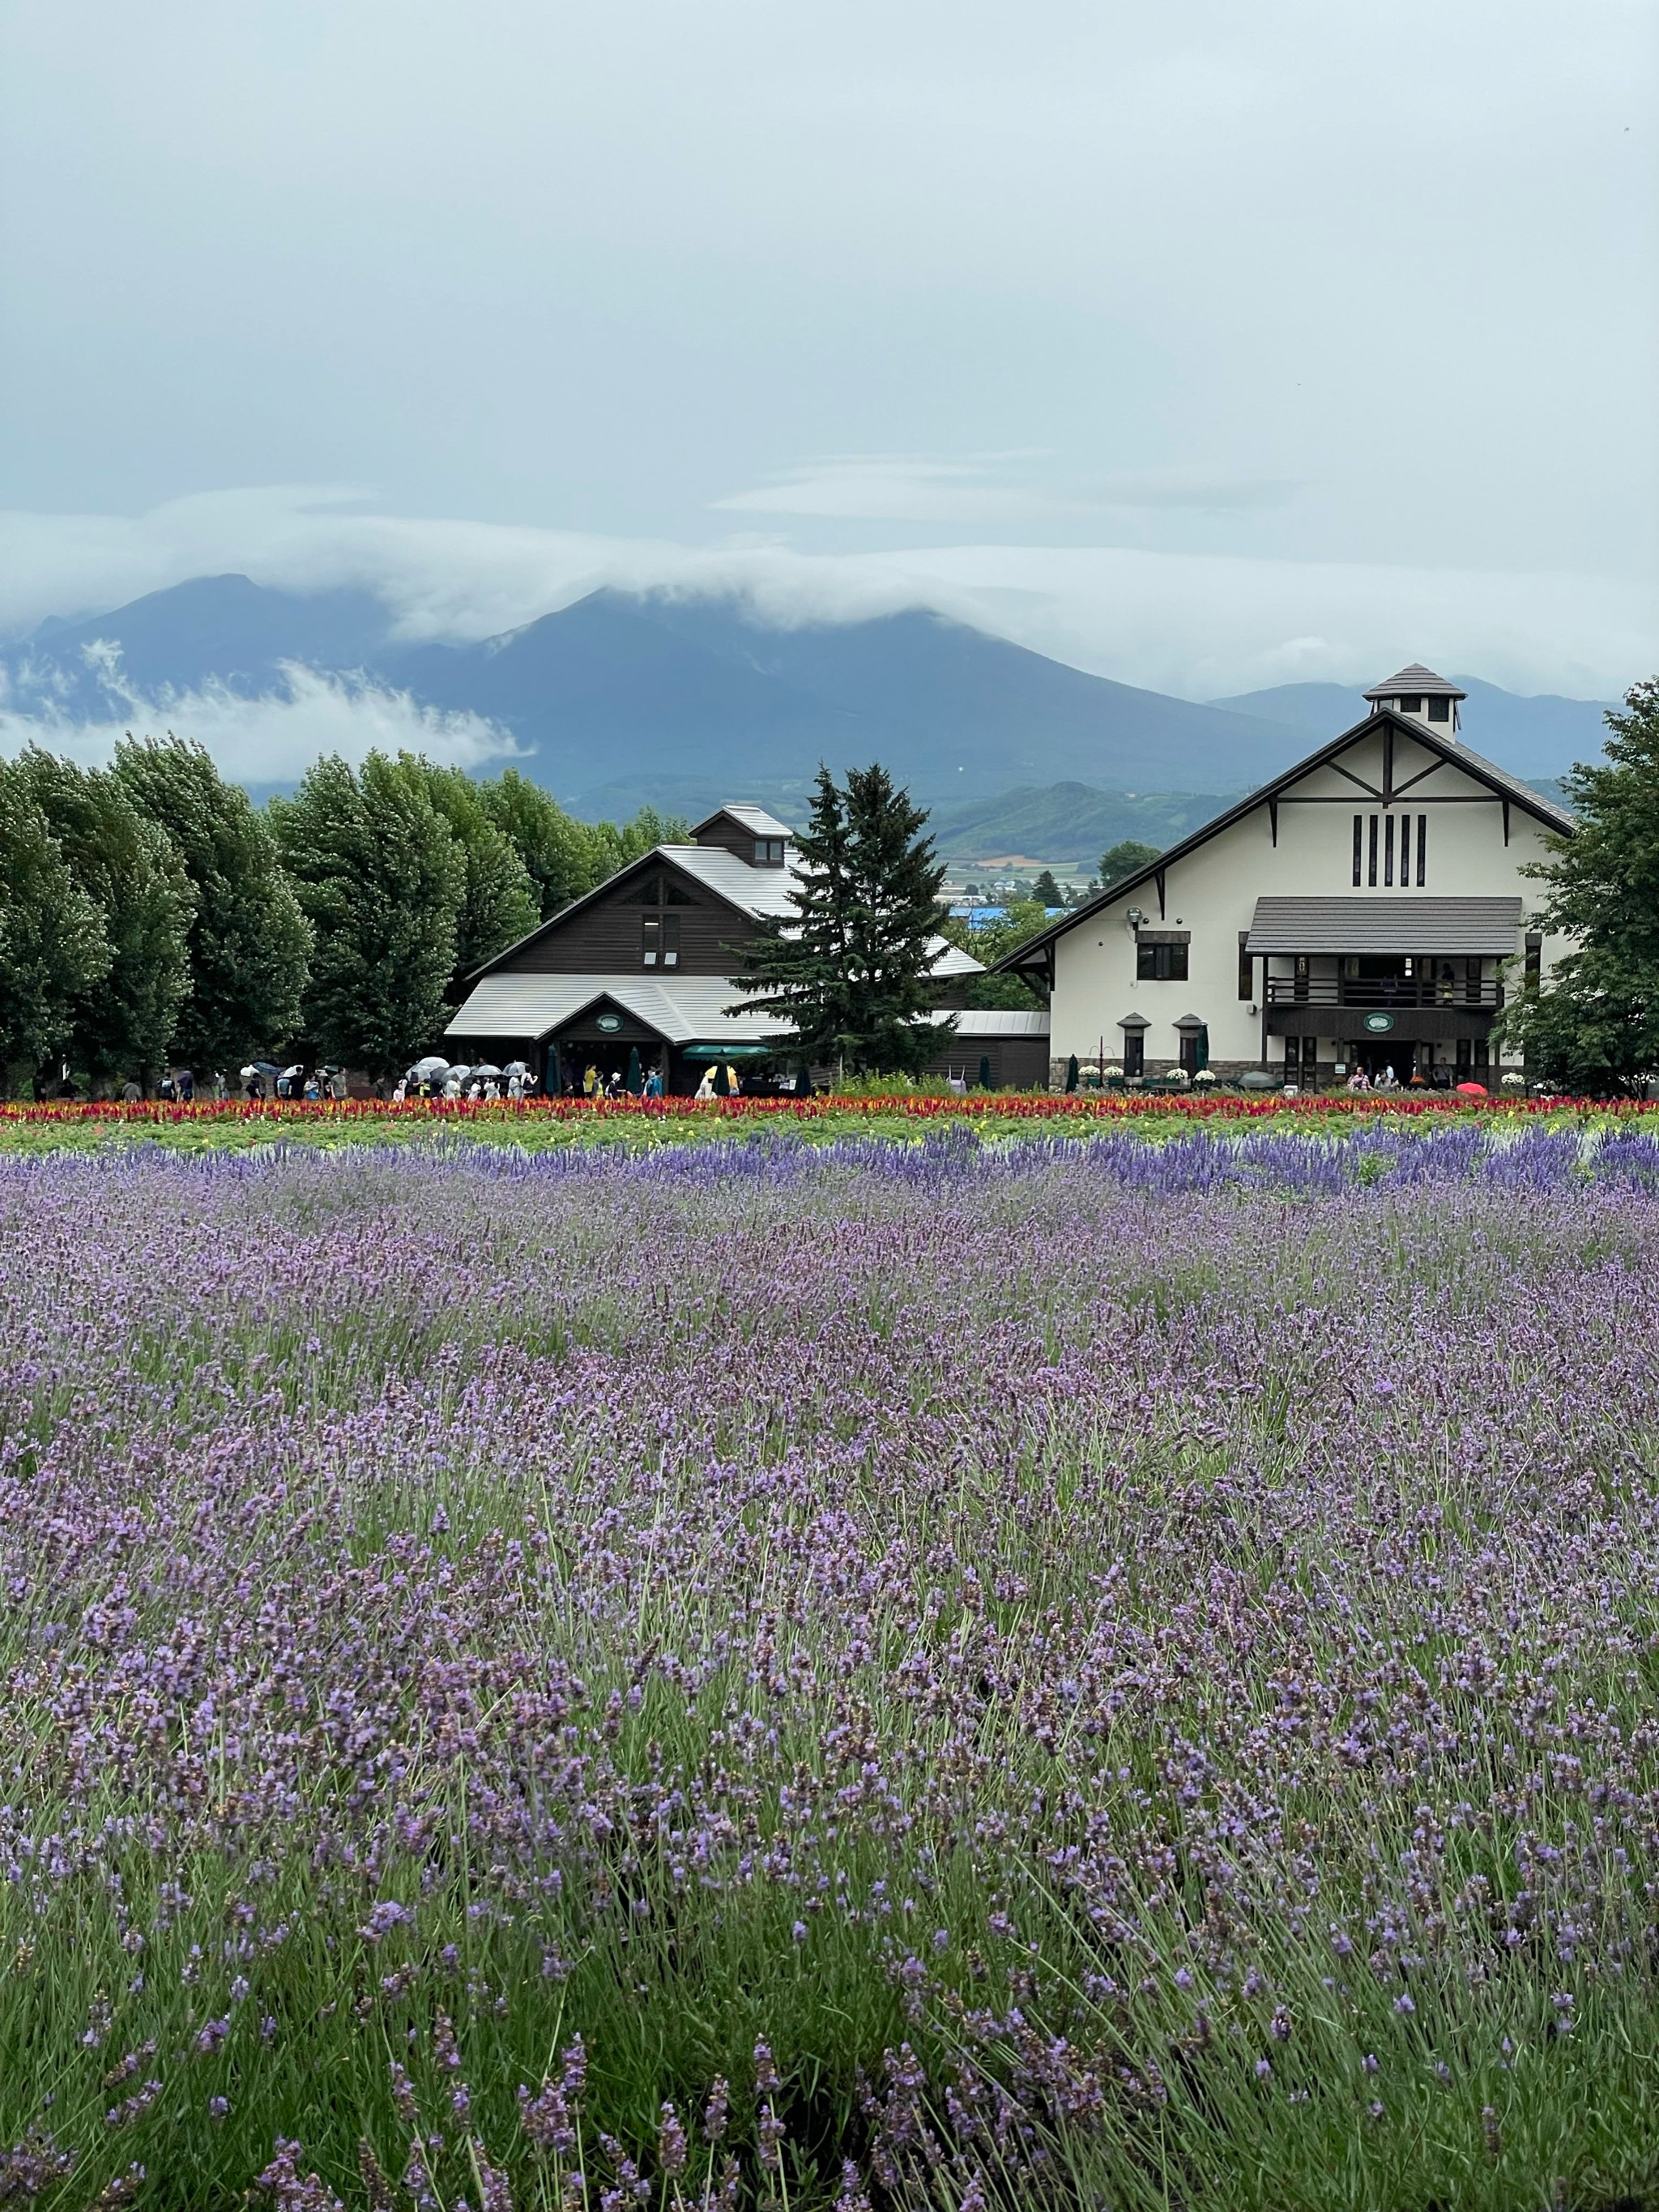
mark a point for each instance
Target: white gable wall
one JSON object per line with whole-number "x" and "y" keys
{"x": 1212, "y": 892}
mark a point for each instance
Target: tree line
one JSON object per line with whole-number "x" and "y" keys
{"x": 152, "y": 915}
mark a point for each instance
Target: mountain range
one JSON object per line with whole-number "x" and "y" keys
{"x": 619, "y": 700}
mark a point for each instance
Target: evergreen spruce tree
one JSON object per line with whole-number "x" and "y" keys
{"x": 129, "y": 868}
{"x": 54, "y": 947}
{"x": 382, "y": 882}
{"x": 852, "y": 968}
{"x": 895, "y": 881}
{"x": 1595, "y": 1029}
{"x": 248, "y": 940}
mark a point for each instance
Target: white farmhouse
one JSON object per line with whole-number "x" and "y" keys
{"x": 1356, "y": 911}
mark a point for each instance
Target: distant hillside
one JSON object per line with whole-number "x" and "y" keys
{"x": 652, "y": 692}
{"x": 1533, "y": 738}
{"x": 621, "y": 700}
{"x": 220, "y": 629}
{"x": 656, "y": 688}
{"x": 1069, "y": 822}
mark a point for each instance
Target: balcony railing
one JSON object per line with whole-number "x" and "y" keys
{"x": 1385, "y": 991}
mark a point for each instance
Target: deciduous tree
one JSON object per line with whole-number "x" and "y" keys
{"x": 1594, "y": 1028}
{"x": 248, "y": 940}
{"x": 126, "y": 1019}
{"x": 54, "y": 947}
{"x": 382, "y": 881}
{"x": 1126, "y": 858}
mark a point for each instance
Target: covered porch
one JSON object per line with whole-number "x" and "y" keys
{"x": 1408, "y": 984}
{"x": 564, "y": 1025}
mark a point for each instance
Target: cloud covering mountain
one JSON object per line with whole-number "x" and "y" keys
{"x": 680, "y": 697}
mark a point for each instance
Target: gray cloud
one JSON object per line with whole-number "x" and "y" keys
{"x": 1196, "y": 624}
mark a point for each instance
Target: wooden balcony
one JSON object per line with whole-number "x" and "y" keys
{"x": 1392, "y": 994}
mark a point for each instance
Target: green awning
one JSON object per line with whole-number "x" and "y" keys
{"x": 731, "y": 1051}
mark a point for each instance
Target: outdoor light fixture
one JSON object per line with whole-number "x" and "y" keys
{"x": 1133, "y": 916}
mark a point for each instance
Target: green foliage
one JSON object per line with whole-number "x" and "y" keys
{"x": 558, "y": 853}
{"x": 129, "y": 868}
{"x": 852, "y": 971}
{"x": 500, "y": 903}
{"x": 1047, "y": 891}
{"x": 248, "y": 941}
{"x": 54, "y": 951}
{"x": 615, "y": 844}
{"x": 1595, "y": 1029}
{"x": 1125, "y": 859}
{"x": 993, "y": 941}
{"x": 564, "y": 858}
{"x": 383, "y": 882}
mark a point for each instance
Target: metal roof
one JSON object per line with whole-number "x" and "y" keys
{"x": 754, "y": 818}
{"x": 758, "y": 891}
{"x": 1418, "y": 680}
{"x": 997, "y": 1021}
{"x": 509, "y": 1005}
{"x": 513, "y": 1003}
{"x": 1405, "y": 924}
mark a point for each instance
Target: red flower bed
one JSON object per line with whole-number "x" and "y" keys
{"x": 988, "y": 1107}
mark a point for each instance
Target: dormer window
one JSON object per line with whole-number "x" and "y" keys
{"x": 769, "y": 852}
{"x": 1440, "y": 710}
{"x": 662, "y": 941}
{"x": 1413, "y": 706}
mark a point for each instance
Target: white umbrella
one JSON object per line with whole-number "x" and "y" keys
{"x": 425, "y": 1070}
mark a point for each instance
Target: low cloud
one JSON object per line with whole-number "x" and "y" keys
{"x": 272, "y": 738}
{"x": 883, "y": 488}
{"x": 890, "y": 489}
{"x": 1197, "y": 625}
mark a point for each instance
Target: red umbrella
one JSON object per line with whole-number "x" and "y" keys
{"x": 1471, "y": 1090}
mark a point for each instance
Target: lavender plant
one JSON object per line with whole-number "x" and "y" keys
{"x": 936, "y": 1675}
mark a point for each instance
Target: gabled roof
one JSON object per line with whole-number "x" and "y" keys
{"x": 1451, "y": 751}
{"x": 677, "y": 1009}
{"x": 761, "y": 893}
{"x": 754, "y": 819}
{"x": 1418, "y": 680}
{"x": 753, "y": 891}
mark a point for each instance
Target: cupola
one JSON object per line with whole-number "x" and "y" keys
{"x": 1422, "y": 696}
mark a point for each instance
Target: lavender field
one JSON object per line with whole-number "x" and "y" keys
{"x": 1063, "y": 1676}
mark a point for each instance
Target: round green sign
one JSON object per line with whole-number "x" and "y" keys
{"x": 1379, "y": 1024}
{"x": 608, "y": 1022}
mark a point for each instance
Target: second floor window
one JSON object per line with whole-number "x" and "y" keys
{"x": 661, "y": 940}
{"x": 1380, "y": 840}
{"x": 1160, "y": 963}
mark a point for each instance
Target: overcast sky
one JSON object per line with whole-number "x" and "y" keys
{"x": 1206, "y": 343}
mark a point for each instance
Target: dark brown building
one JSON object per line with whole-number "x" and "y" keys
{"x": 646, "y": 962}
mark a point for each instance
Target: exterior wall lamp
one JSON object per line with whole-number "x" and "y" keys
{"x": 1133, "y": 916}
